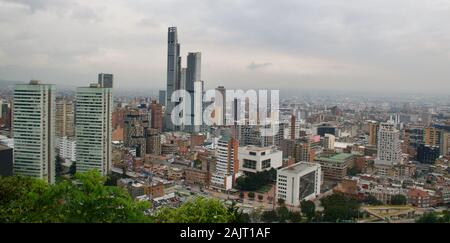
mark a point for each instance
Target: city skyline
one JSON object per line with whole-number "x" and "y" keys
{"x": 331, "y": 45}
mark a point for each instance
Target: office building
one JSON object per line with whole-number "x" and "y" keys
{"x": 162, "y": 97}
{"x": 156, "y": 116}
{"x": 326, "y": 128}
{"x": 105, "y": 80}
{"x": 193, "y": 75}
{"x": 93, "y": 128}
{"x": 173, "y": 75}
{"x": 227, "y": 163}
{"x": 432, "y": 136}
{"x": 254, "y": 159}
{"x": 328, "y": 141}
{"x": 373, "y": 133}
{"x": 135, "y": 131}
{"x": 334, "y": 166}
{"x": 427, "y": 154}
{"x": 297, "y": 182}
{"x": 389, "y": 145}
{"x": 6, "y": 161}
{"x": 153, "y": 141}
{"x": 65, "y": 119}
{"x": 34, "y": 130}
{"x": 445, "y": 146}
{"x": 67, "y": 149}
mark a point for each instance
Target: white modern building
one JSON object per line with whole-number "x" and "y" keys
{"x": 254, "y": 159}
{"x": 328, "y": 141}
{"x": 67, "y": 149}
{"x": 227, "y": 163}
{"x": 389, "y": 145}
{"x": 34, "y": 130}
{"x": 300, "y": 181}
{"x": 93, "y": 128}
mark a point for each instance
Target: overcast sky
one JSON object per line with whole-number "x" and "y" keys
{"x": 402, "y": 45}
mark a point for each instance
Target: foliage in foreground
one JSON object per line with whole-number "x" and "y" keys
{"x": 85, "y": 199}
{"x": 201, "y": 210}
{"x": 433, "y": 217}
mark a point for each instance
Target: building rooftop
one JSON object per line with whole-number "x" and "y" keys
{"x": 340, "y": 158}
{"x": 299, "y": 167}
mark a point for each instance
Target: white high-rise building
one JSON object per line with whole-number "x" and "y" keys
{"x": 328, "y": 141}
{"x": 389, "y": 145}
{"x": 34, "y": 130}
{"x": 227, "y": 163}
{"x": 300, "y": 181}
{"x": 93, "y": 128}
{"x": 67, "y": 149}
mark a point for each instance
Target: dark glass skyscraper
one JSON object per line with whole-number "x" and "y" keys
{"x": 173, "y": 74}
{"x": 105, "y": 80}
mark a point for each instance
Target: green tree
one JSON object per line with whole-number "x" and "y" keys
{"x": 308, "y": 209}
{"x": 269, "y": 216}
{"x": 398, "y": 200}
{"x": 198, "y": 210}
{"x": 85, "y": 199}
{"x": 281, "y": 201}
{"x": 372, "y": 200}
{"x": 428, "y": 218}
{"x": 339, "y": 208}
{"x": 255, "y": 181}
{"x": 283, "y": 214}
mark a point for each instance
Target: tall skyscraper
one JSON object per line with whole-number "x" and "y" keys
{"x": 65, "y": 119}
{"x": 34, "y": 130}
{"x": 389, "y": 145}
{"x": 193, "y": 75}
{"x": 105, "y": 80}
{"x": 93, "y": 128}
{"x": 173, "y": 75}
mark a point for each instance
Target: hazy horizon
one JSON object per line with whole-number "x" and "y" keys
{"x": 342, "y": 46}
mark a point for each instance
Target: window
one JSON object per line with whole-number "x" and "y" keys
{"x": 249, "y": 164}
{"x": 265, "y": 164}
{"x": 253, "y": 153}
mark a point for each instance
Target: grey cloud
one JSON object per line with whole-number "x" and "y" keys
{"x": 254, "y": 66}
{"x": 403, "y": 42}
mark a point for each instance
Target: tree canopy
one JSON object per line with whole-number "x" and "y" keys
{"x": 398, "y": 200}
{"x": 253, "y": 182}
{"x": 199, "y": 210}
{"x": 339, "y": 208}
{"x": 83, "y": 200}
